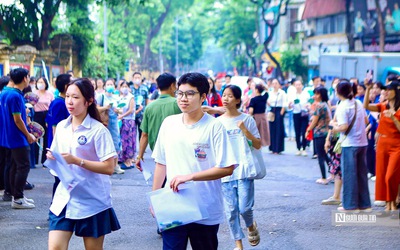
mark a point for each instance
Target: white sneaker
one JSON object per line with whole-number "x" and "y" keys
{"x": 298, "y": 153}
{"x": 373, "y": 178}
{"x": 304, "y": 153}
{"x": 118, "y": 170}
{"x": 380, "y": 203}
{"x": 21, "y": 204}
{"x": 29, "y": 200}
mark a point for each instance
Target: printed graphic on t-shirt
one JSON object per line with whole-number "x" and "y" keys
{"x": 199, "y": 151}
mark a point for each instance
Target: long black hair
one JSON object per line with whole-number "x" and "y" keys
{"x": 86, "y": 88}
{"x": 346, "y": 89}
{"x": 394, "y": 85}
{"x": 237, "y": 93}
{"x": 213, "y": 90}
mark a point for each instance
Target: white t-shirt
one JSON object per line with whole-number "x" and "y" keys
{"x": 235, "y": 136}
{"x": 278, "y": 99}
{"x": 344, "y": 115}
{"x": 90, "y": 141}
{"x": 303, "y": 98}
{"x": 186, "y": 149}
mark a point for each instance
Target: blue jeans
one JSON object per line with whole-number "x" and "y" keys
{"x": 238, "y": 200}
{"x": 202, "y": 237}
{"x": 114, "y": 131}
{"x": 290, "y": 127}
{"x": 355, "y": 180}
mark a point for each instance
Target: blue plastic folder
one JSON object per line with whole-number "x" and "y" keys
{"x": 173, "y": 209}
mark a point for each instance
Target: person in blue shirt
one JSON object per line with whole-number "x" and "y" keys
{"x": 57, "y": 112}
{"x": 17, "y": 138}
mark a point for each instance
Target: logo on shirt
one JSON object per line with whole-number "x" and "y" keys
{"x": 200, "y": 154}
{"x": 82, "y": 140}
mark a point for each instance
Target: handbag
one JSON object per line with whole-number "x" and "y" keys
{"x": 104, "y": 116}
{"x": 338, "y": 146}
{"x": 253, "y": 161}
{"x": 270, "y": 114}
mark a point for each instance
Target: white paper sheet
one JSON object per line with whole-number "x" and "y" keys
{"x": 173, "y": 209}
{"x": 63, "y": 170}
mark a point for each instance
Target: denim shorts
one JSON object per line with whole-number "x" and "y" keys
{"x": 95, "y": 226}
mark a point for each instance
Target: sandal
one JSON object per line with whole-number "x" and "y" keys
{"x": 254, "y": 236}
{"x": 321, "y": 181}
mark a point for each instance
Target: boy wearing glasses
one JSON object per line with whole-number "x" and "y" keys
{"x": 193, "y": 146}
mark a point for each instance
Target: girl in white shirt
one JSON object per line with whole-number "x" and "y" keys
{"x": 86, "y": 145}
{"x": 237, "y": 189}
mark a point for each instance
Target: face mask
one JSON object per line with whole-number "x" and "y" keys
{"x": 110, "y": 89}
{"x": 124, "y": 91}
{"x": 41, "y": 86}
{"x": 137, "y": 82}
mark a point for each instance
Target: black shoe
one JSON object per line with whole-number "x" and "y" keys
{"x": 7, "y": 197}
{"x": 29, "y": 186}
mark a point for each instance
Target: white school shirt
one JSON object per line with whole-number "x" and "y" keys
{"x": 344, "y": 115}
{"x": 186, "y": 149}
{"x": 278, "y": 99}
{"x": 90, "y": 141}
{"x": 234, "y": 134}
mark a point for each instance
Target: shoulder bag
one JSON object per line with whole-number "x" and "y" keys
{"x": 338, "y": 146}
{"x": 271, "y": 114}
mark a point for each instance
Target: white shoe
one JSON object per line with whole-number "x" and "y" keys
{"x": 298, "y": 153}
{"x": 373, "y": 178}
{"x": 21, "y": 204}
{"x": 380, "y": 203}
{"x": 29, "y": 200}
{"x": 118, "y": 170}
{"x": 304, "y": 153}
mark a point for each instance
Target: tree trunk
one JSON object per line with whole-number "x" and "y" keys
{"x": 151, "y": 34}
{"x": 349, "y": 34}
{"x": 382, "y": 32}
{"x": 278, "y": 65}
{"x": 43, "y": 42}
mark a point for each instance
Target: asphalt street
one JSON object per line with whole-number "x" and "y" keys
{"x": 287, "y": 209}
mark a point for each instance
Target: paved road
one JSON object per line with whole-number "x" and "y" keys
{"x": 287, "y": 210}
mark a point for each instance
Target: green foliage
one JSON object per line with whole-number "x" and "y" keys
{"x": 235, "y": 26}
{"x": 291, "y": 59}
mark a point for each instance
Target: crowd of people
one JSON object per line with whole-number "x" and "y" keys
{"x": 198, "y": 129}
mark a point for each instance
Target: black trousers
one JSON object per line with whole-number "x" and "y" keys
{"x": 277, "y": 131}
{"x": 20, "y": 167}
{"x": 322, "y": 156}
{"x": 5, "y": 165}
{"x": 40, "y": 117}
{"x": 300, "y": 127}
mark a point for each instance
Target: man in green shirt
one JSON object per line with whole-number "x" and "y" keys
{"x": 156, "y": 112}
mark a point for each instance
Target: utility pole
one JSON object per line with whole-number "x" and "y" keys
{"x": 105, "y": 35}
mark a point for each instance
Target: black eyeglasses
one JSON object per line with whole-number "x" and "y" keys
{"x": 188, "y": 94}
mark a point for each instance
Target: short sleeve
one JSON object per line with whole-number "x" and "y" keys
{"x": 341, "y": 115}
{"x": 318, "y": 110}
{"x": 252, "y": 103}
{"x": 104, "y": 145}
{"x": 159, "y": 151}
{"x": 16, "y": 105}
{"x": 380, "y": 107}
{"x": 252, "y": 126}
{"x": 144, "y": 124}
{"x": 224, "y": 154}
